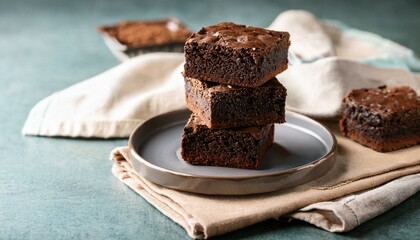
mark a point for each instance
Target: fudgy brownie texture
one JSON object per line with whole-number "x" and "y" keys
{"x": 226, "y": 106}
{"x": 164, "y": 35}
{"x": 384, "y": 119}
{"x": 234, "y": 147}
{"x": 233, "y": 54}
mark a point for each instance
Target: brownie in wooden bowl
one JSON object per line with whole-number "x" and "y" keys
{"x": 132, "y": 38}
{"x": 384, "y": 119}
{"x": 243, "y": 147}
{"x": 234, "y": 54}
{"x": 226, "y": 106}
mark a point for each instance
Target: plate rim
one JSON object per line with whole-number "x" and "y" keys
{"x": 330, "y": 154}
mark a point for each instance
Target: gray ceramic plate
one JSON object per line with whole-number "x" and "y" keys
{"x": 303, "y": 150}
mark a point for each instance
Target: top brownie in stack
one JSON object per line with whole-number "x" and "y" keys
{"x": 239, "y": 55}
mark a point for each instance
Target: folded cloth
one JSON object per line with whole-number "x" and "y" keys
{"x": 114, "y": 102}
{"x": 344, "y": 214}
{"x": 313, "y": 39}
{"x": 317, "y": 89}
{"x": 357, "y": 169}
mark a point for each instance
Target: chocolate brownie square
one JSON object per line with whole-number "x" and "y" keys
{"x": 238, "y": 55}
{"x": 226, "y": 106}
{"x": 384, "y": 119}
{"x": 235, "y": 147}
{"x": 136, "y": 37}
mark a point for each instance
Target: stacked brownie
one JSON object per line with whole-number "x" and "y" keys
{"x": 232, "y": 91}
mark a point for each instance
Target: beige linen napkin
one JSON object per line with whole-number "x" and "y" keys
{"x": 313, "y": 39}
{"x": 357, "y": 168}
{"x": 316, "y": 89}
{"x": 346, "y": 213}
{"x": 113, "y": 103}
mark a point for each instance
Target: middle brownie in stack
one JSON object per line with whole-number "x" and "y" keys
{"x": 232, "y": 91}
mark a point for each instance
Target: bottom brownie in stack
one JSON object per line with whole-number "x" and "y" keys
{"x": 242, "y": 147}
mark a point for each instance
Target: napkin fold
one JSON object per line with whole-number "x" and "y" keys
{"x": 317, "y": 89}
{"x": 113, "y": 103}
{"x": 313, "y": 39}
{"x": 346, "y": 213}
{"x": 333, "y": 60}
{"x": 352, "y": 192}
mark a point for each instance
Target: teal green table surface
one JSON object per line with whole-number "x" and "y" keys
{"x": 59, "y": 188}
